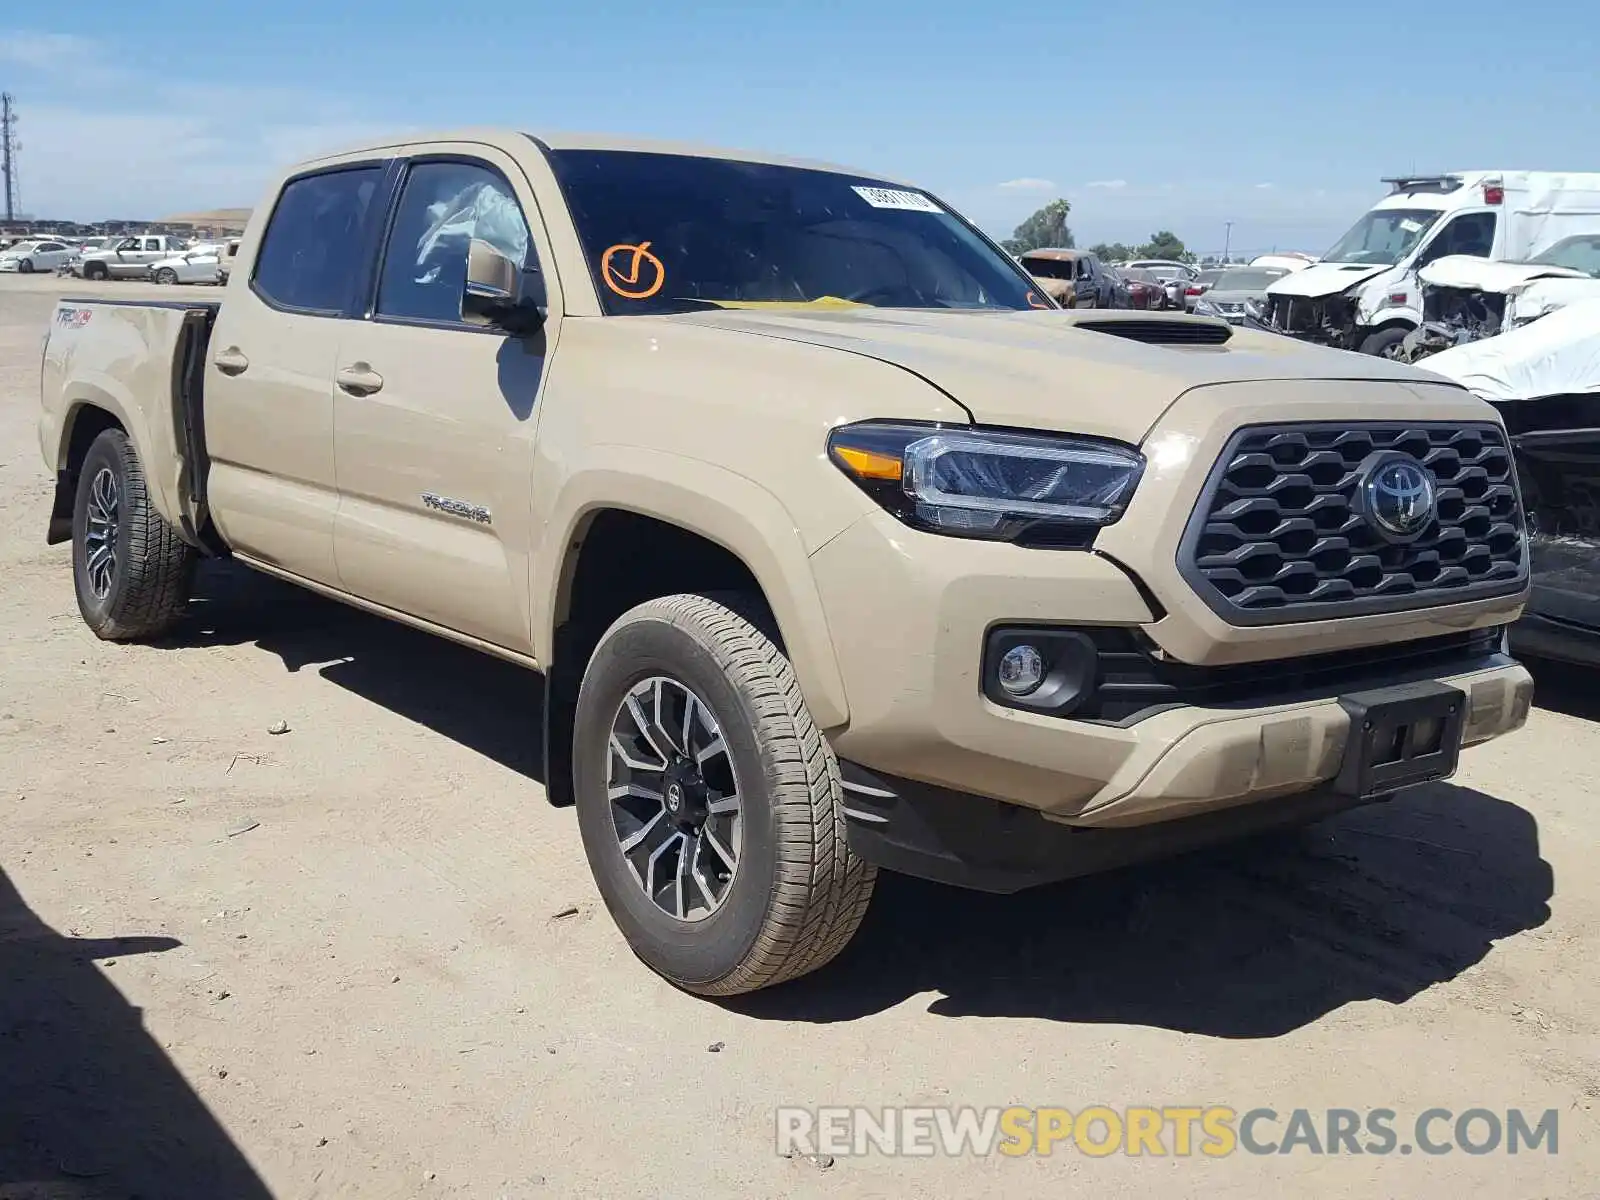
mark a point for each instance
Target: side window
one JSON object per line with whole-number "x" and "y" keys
{"x": 312, "y": 247}
{"x": 444, "y": 207}
{"x": 1471, "y": 234}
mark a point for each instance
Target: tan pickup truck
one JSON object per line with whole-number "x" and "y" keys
{"x": 838, "y": 546}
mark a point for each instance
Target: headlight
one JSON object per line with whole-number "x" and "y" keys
{"x": 989, "y": 484}
{"x": 1204, "y": 308}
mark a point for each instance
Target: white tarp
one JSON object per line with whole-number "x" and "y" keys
{"x": 1554, "y": 356}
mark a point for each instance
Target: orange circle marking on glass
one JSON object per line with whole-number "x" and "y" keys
{"x": 632, "y": 272}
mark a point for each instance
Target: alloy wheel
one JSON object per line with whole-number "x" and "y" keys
{"x": 674, "y": 797}
{"x": 100, "y": 534}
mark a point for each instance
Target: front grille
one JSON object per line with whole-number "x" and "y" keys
{"x": 1279, "y": 536}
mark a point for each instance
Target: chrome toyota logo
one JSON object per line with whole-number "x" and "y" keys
{"x": 1398, "y": 496}
{"x": 674, "y": 797}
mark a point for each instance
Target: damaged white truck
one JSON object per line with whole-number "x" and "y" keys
{"x": 1365, "y": 294}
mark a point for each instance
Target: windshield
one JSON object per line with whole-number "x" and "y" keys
{"x": 1254, "y": 279}
{"x": 673, "y": 233}
{"x": 1047, "y": 268}
{"x": 1383, "y": 237}
{"x": 1580, "y": 253}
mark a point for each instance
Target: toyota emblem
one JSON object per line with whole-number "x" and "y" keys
{"x": 1398, "y": 496}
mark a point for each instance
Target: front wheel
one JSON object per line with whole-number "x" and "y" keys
{"x": 25, "y": 267}
{"x": 95, "y": 270}
{"x": 166, "y": 275}
{"x": 130, "y": 569}
{"x": 1386, "y": 343}
{"x": 709, "y": 803}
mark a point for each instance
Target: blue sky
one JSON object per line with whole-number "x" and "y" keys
{"x": 1146, "y": 114}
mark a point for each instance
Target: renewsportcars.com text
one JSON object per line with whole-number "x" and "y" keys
{"x": 1214, "y": 1131}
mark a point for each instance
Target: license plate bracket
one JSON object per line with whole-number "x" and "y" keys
{"x": 1400, "y": 736}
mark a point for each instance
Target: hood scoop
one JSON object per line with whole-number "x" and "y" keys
{"x": 1156, "y": 332}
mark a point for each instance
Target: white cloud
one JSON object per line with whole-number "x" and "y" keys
{"x": 106, "y": 142}
{"x": 1265, "y": 187}
{"x": 1107, "y": 183}
{"x": 1027, "y": 184}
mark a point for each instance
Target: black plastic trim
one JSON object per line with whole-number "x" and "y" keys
{"x": 988, "y": 845}
{"x": 1293, "y": 614}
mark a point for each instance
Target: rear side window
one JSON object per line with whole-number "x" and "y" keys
{"x": 311, "y": 251}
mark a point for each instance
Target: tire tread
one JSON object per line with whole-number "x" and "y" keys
{"x": 821, "y": 888}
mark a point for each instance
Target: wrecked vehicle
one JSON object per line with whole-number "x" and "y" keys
{"x": 1364, "y": 294}
{"x": 1544, "y": 378}
{"x": 1467, "y": 299}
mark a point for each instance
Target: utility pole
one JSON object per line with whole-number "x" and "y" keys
{"x": 8, "y": 154}
{"x": 1227, "y": 241}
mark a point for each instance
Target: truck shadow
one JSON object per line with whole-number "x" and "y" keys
{"x": 1247, "y": 941}
{"x": 1250, "y": 940}
{"x": 90, "y": 1106}
{"x": 489, "y": 706}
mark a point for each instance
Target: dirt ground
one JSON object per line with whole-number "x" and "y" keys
{"x": 364, "y": 957}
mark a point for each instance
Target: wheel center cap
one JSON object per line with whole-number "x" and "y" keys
{"x": 685, "y": 796}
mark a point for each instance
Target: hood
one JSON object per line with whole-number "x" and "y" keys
{"x": 1480, "y": 274}
{"x": 1323, "y": 279}
{"x": 1235, "y": 295}
{"x": 1040, "y": 370}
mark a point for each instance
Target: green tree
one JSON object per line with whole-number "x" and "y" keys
{"x": 1165, "y": 244}
{"x": 1047, "y": 227}
{"x": 1112, "y": 252}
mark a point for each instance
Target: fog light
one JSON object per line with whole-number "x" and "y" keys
{"x": 1021, "y": 670}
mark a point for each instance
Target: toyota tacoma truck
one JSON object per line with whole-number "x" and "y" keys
{"x": 837, "y": 545}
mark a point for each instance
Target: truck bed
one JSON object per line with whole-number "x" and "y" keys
{"x": 143, "y": 361}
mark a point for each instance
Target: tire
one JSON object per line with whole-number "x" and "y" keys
{"x": 25, "y": 267}
{"x": 141, "y": 593}
{"x": 796, "y": 893}
{"x": 1385, "y": 343}
{"x": 166, "y": 275}
{"x": 94, "y": 270}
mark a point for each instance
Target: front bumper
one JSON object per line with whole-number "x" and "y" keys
{"x": 909, "y": 624}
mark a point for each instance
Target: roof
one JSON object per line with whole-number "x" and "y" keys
{"x": 512, "y": 140}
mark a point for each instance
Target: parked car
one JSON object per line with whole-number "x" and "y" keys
{"x": 130, "y": 258}
{"x": 198, "y": 264}
{"x": 1073, "y": 278}
{"x": 1543, "y": 376}
{"x": 27, "y": 257}
{"x": 1120, "y": 296}
{"x": 1145, "y": 289}
{"x": 1238, "y": 292}
{"x": 230, "y": 251}
{"x": 1199, "y": 285}
{"x": 814, "y": 589}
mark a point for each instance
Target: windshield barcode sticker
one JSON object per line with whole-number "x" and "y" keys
{"x": 894, "y": 198}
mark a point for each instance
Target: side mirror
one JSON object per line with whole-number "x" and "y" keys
{"x": 499, "y": 293}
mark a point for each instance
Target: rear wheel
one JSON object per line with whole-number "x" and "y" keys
{"x": 130, "y": 569}
{"x": 709, "y": 803}
{"x": 166, "y": 275}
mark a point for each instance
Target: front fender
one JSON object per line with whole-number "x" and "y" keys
{"x": 729, "y": 509}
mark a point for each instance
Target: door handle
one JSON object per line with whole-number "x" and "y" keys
{"x": 358, "y": 379}
{"x": 231, "y": 361}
